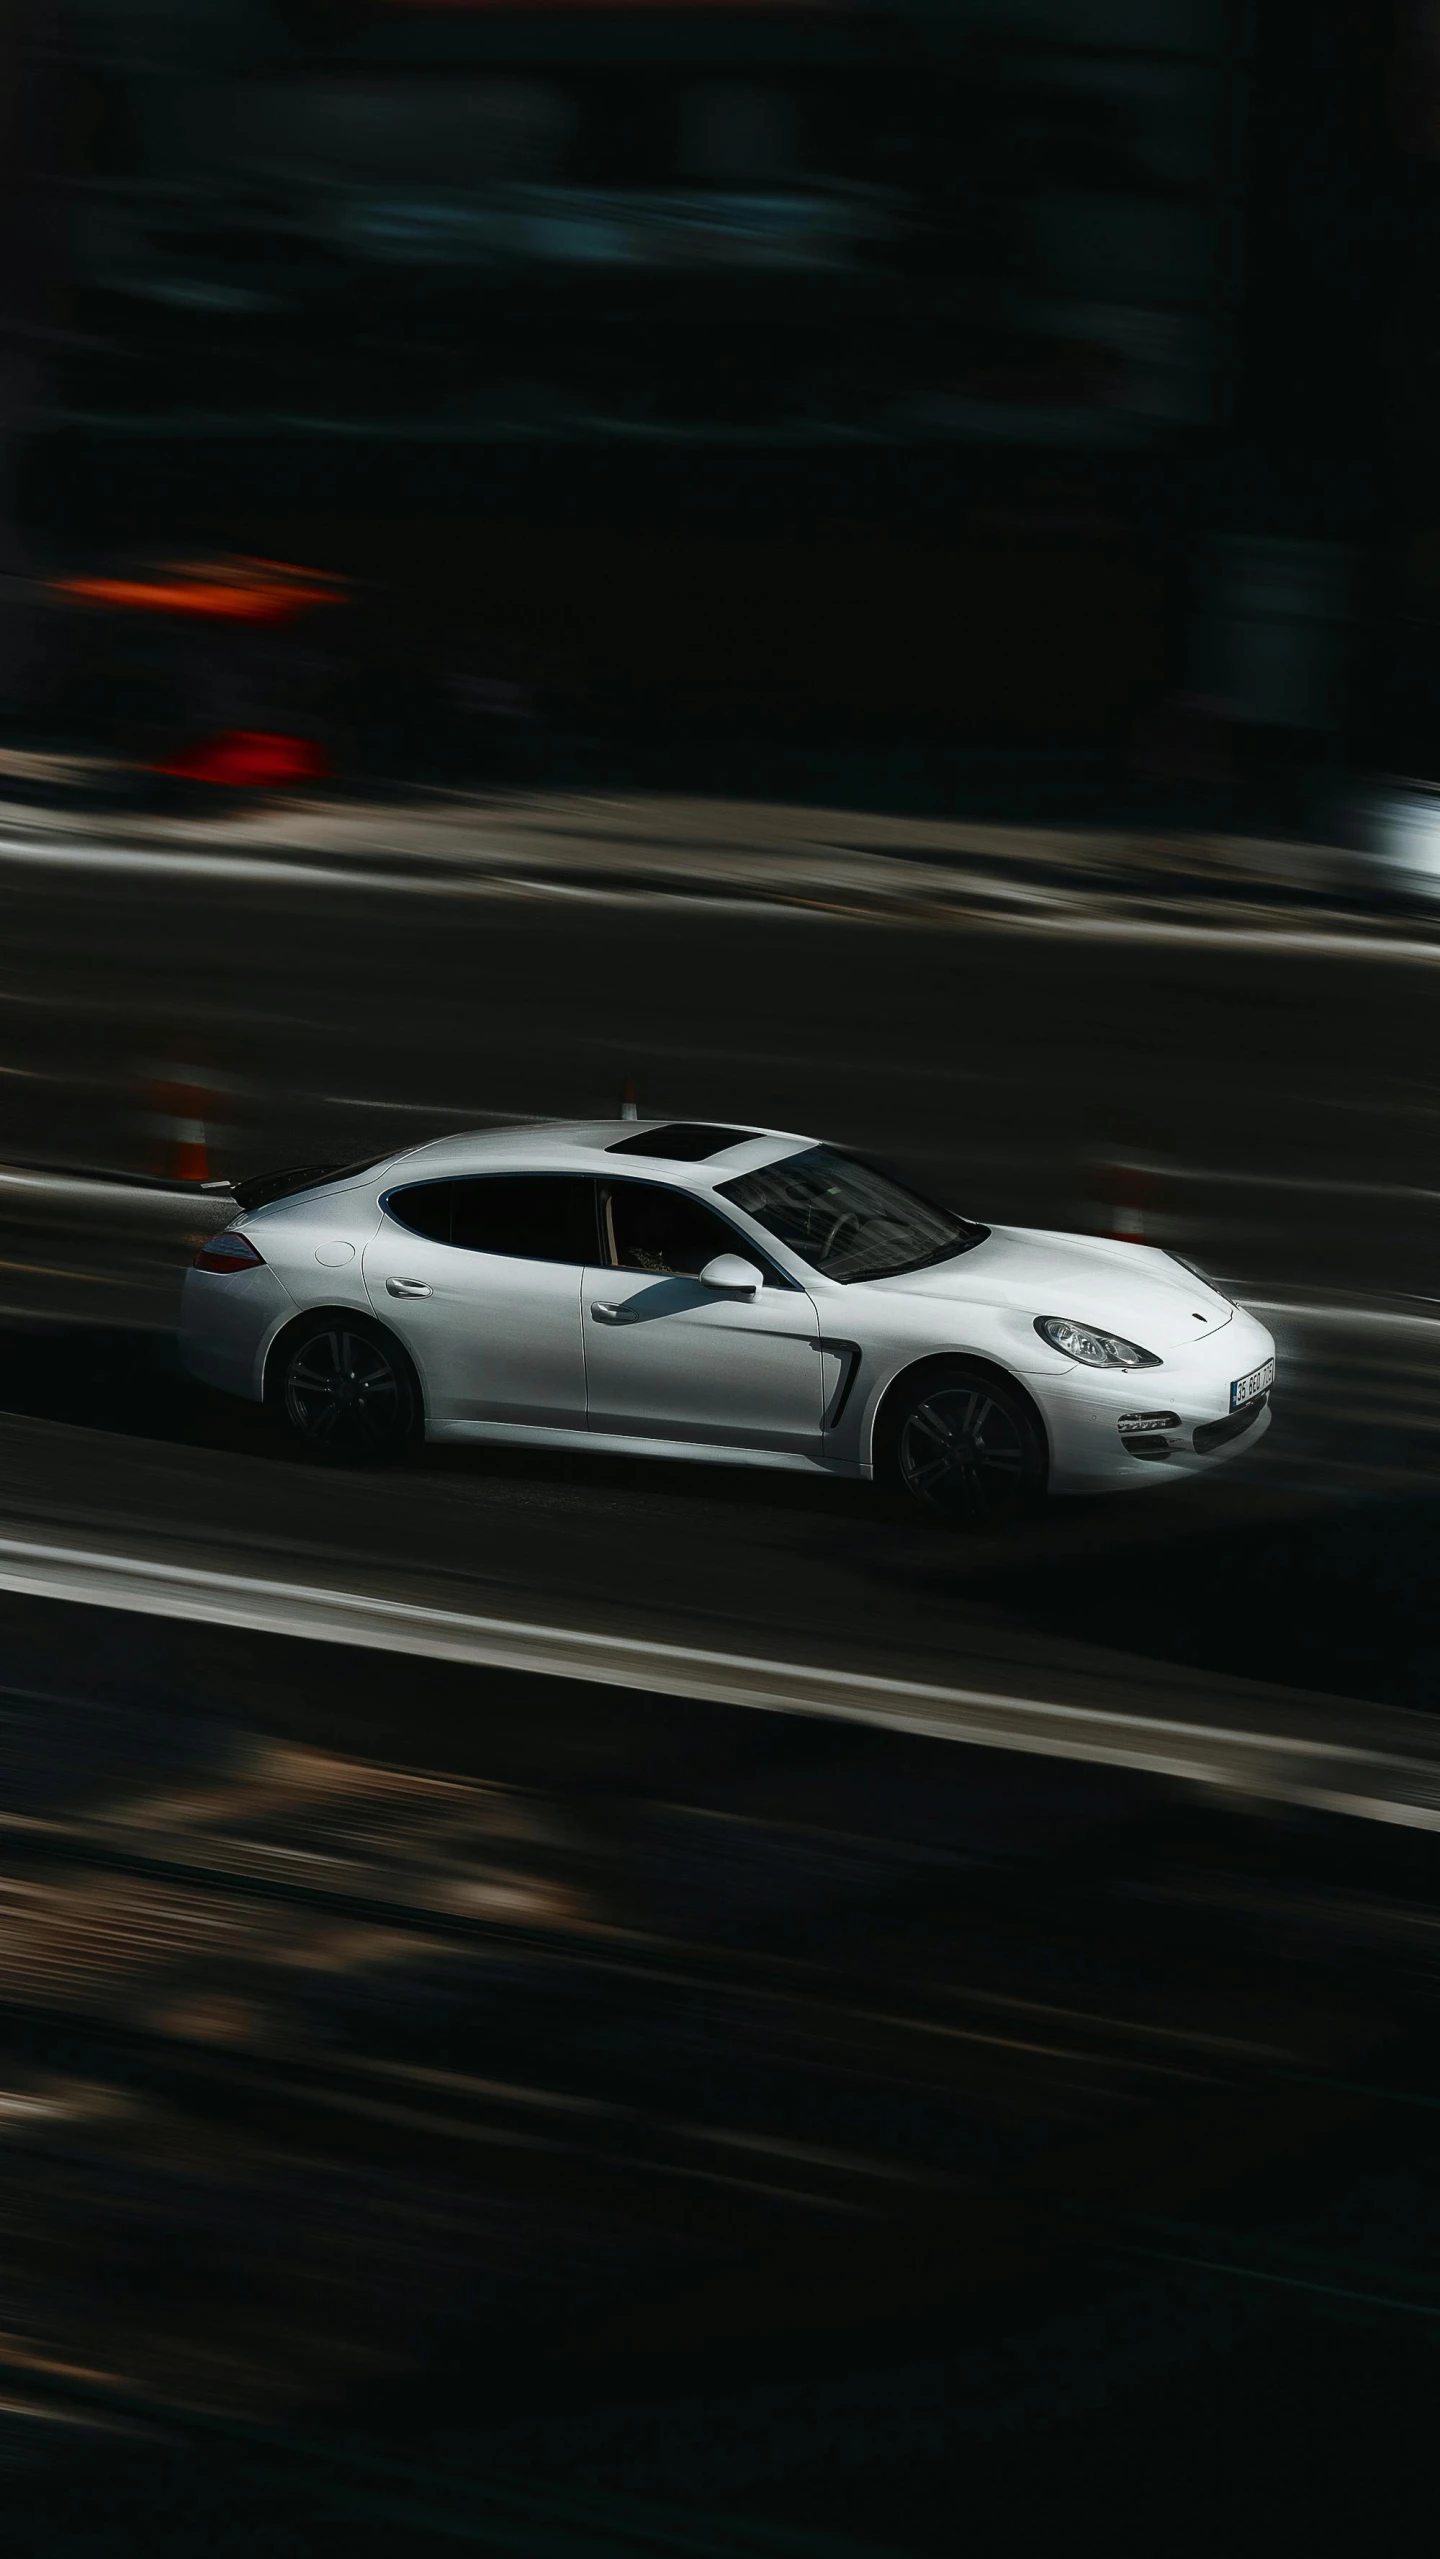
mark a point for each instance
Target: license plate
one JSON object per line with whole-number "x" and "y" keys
{"x": 1244, "y": 1390}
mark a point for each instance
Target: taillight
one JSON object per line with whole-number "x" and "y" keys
{"x": 228, "y": 1253}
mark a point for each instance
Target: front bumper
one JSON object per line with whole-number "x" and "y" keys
{"x": 1083, "y": 1413}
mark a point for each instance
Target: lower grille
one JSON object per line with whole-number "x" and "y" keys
{"x": 1215, "y": 1434}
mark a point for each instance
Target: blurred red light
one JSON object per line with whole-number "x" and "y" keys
{"x": 250, "y": 759}
{"x": 218, "y": 591}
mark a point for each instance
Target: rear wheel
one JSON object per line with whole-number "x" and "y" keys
{"x": 347, "y": 1391}
{"x": 964, "y": 1448}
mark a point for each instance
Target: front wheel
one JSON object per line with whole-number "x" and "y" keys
{"x": 963, "y": 1447}
{"x": 347, "y": 1391}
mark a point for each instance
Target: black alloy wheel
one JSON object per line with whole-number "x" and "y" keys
{"x": 966, "y": 1449}
{"x": 348, "y": 1392}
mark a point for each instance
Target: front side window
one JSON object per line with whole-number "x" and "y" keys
{"x": 648, "y": 1228}
{"x": 525, "y": 1217}
{"x": 848, "y": 1220}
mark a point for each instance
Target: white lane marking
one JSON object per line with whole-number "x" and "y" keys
{"x": 255, "y": 869}
{"x": 1341, "y": 1315}
{"x": 115, "y": 1194}
{"x": 1340, "y": 1776}
{"x": 1275, "y": 1181}
{"x": 220, "y": 866}
{"x": 1225, "y": 937}
{"x": 780, "y": 898}
{"x": 458, "y": 1112}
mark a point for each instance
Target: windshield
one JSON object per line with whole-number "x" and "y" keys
{"x": 847, "y": 1220}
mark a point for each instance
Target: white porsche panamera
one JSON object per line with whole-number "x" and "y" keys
{"x": 734, "y": 1294}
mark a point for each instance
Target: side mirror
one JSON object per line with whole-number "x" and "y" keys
{"x": 729, "y": 1270}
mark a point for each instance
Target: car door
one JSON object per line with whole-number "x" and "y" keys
{"x": 668, "y": 1358}
{"x": 481, "y": 1279}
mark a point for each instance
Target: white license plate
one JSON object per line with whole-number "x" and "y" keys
{"x": 1244, "y": 1390}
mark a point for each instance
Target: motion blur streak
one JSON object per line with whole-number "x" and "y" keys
{"x": 288, "y": 1962}
{"x": 252, "y": 759}
{"x": 224, "y": 591}
{"x": 866, "y": 566}
{"x": 1322, "y": 1766}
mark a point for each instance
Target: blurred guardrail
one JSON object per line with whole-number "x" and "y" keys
{"x": 1381, "y": 871}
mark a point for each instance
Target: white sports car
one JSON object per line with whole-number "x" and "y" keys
{"x": 727, "y": 1293}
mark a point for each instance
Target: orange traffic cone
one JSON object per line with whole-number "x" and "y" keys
{"x": 1127, "y": 1202}
{"x": 179, "y": 1114}
{"x": 1134, "y": 1200}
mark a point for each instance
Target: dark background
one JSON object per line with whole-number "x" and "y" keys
{"x": 1043, "y": 388}
{"x": 442, "y": 2105}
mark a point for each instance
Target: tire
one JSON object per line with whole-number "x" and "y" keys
{"x": 344, "y": 1388}
{"x": 963, "y": 1448}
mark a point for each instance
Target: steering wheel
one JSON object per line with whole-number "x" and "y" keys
{"x": 847, "y": 1217}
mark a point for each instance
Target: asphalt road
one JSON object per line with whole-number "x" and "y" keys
{"x": 1281, "y": 1109}
{"x": 451, "y": 2105}
{"x": 445, "y": 2104}
{"x": 1285, "y": 1097}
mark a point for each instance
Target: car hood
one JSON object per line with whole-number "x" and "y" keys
{"x": 1129, "y": 1289}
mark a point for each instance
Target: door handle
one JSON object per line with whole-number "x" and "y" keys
{"x": 408, "y": 1288}
{"x": 608, "y": 1314}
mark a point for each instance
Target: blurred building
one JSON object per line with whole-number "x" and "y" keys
{"x": 776, "y": 369}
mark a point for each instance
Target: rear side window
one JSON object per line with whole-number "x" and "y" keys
{"x": 529, "y": 1217}
{"x": 423, "y": 1209}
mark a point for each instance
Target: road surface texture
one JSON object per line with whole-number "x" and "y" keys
{"x": 1272, "y": 1114}
{"x": 451, "y": 2092}
{"x": 443, "y": 2105}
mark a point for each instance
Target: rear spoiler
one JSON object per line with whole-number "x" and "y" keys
{"x": 257, "y": 1190}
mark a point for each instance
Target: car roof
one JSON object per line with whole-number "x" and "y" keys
{"x": 539, "y": 1146}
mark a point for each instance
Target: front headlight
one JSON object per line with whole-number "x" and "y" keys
{"x": 1092, "y": 1349}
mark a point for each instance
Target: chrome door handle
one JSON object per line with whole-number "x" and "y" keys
{"x": 408, "y": 1288}
{"x": 608, "y": 1314}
